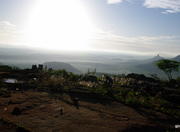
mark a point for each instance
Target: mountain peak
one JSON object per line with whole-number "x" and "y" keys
{"x": 157, "y": 57}
{"x": 177, "y": 58}
{"x": 62, "y": 65}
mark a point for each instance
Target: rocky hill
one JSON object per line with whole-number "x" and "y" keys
{"x": 60, "y": 66}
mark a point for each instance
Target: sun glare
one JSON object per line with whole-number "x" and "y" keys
{"x": 59, "y": 24}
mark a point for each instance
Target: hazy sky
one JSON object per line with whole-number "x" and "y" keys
{"x": 129, "y": 26}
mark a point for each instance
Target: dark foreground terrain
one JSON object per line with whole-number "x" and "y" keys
{"x": 38, "y": 111}
{"x": 47, "y": 100}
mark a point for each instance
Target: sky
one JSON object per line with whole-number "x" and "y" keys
{"x": 124, "y": 26}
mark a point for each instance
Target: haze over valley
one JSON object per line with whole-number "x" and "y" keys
{"x": 80, "y": 62}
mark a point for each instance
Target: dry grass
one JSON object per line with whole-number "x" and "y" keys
{"x": 40, "y": 113}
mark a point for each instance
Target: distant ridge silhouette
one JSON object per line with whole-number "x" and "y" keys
{"x": 61, "y": 65}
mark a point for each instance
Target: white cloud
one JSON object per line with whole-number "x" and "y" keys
{"x": 106, "y": 41}
{"x": 114, "y": 1}
{"x": 170, "y": 6}
{"x": 137, "y": 44}
{"x": 6, "y": 27}
{"x": 9, "y": 33}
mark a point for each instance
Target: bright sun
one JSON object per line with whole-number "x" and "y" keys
{"x": 59, "y": 24}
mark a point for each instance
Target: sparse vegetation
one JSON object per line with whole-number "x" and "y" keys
{"x": 135, "y": 90}
{"x": 168, "y": 66}
{"x": 4, "y": 92}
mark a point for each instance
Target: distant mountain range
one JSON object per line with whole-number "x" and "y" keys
{"x": 155, "y": 58}
{"x": 149, "y": 67}
{"x": 80, "y": 62}
{"x": 146, "y": 66}
{"x": 177, "y": 58}
{"x": 61, "y": 65}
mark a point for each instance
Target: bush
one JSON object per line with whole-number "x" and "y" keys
{"x": 4, "y": 92}
{"x": 99, "y": 90}
{"x": 16, "y": 111}
{"x": 5, "y": 68}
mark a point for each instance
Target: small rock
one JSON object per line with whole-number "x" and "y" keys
{"x": 17, "y": 89}
{"x": 5, "y": 109}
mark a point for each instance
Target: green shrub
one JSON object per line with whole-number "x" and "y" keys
{"x": 99, "y": 90}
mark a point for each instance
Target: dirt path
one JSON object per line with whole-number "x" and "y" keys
{"x": 39, "y": 113}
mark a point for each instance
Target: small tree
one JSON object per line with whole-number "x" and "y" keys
{"x": 168, "y": 66}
